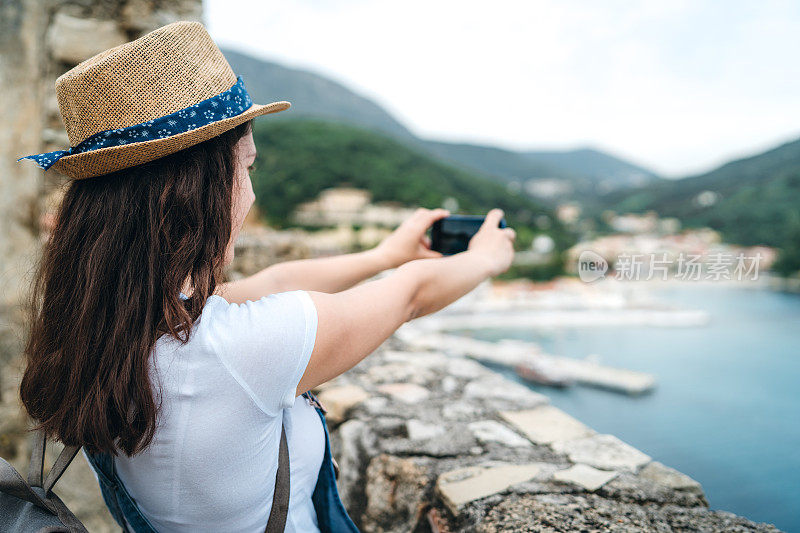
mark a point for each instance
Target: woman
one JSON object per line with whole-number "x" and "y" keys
{"x": 178, "y": 385}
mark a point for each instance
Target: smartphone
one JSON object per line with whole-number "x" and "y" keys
{"x": 451, "y": 235}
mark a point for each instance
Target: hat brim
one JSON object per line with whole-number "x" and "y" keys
{"x": 110, "y": 159}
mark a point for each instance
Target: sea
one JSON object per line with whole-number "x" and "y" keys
{"x": 726, "y": 410}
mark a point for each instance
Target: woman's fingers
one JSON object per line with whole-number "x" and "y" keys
{"x": 492, "y": 219}
{"x": 426, "y": 251}
{"x": 426, "y": 217}
{"x": 430, "y": 254}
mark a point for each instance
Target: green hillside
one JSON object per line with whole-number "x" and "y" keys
{"x": 314, "y": 96}
{"x": 754, "y": 200}
{"x": 505, "y": 164}
{"x": 604, "y": 170}
{"x": 298, "y": 159}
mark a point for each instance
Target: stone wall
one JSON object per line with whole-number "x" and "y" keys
{"x": 430, "y": 441}
{"x": 22, "y": 29}
{"x": 39, "y": 41}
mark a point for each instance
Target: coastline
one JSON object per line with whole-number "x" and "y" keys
{"x": 434, "y": 441}
{"x": 431, "y": 436}
{"x": 430, "y": 440}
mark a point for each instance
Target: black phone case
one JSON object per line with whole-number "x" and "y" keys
{"x": 451, "y": 235}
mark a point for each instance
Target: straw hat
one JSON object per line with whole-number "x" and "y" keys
{"x": 169, "y": 89}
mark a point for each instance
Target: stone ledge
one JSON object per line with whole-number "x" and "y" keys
{"x": 606, "y": 452}
{"x": 464, "y": 485}
{"x": 585, "y": 476}
{"x": 337, "y": 400}
{"x": 442, "y": 439}
{"x": 546, "y": 424}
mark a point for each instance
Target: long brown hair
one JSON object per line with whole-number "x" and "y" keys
{"x": 109, "y": 283}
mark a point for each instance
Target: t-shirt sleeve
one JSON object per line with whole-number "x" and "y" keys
{"x": 266, "y": 344}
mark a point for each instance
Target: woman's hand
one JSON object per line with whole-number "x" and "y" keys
{"x": 494, "y": 243}
{"x": 354, "y": 322}
{"x": 409, "y": 241}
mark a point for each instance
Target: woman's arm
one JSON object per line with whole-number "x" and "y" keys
{"x": 353, "y": 323}
{"x": 324, "y": 274}
{"x": 337, "y": 273}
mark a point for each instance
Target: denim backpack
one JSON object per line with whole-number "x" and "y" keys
{"x": 27, "y": 507}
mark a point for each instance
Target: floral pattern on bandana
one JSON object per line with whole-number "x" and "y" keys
{"x": 226, "y": 104}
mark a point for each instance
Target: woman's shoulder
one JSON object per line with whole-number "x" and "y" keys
{"x": 265, "y": 343}
{"x": 276, "y": 309}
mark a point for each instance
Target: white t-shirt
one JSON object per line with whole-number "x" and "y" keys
{"x": 212, "y": 463}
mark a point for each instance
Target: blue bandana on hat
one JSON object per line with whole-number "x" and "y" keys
{"x": 226, "y": 104}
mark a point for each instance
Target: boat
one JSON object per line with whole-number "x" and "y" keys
{"x": 541, "y": 374}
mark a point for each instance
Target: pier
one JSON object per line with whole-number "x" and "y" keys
{"x": 520, "y": 355}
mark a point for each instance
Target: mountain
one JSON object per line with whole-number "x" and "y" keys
{"x": 583, "y": 172}
{"x": 505, "y": 164}
{"x": 298, "y": 159}
{"x": 753, "y": 200}
{"x": 552, "y": 175}
{"x": 607, "y": 171}
{"x": 311, "y": 95}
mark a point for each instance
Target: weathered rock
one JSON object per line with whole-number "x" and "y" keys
{"x": 553, "y": 513}
{"x": 352, "y": 445}
{"x": 54, "y": 137}
{"x": 546, "y": 424}
{"x": 462, "y": 411}
{"x": 464, "y": 368}
{"x": 12, "y": 426}
{"x": 418, "y": 430}
{"x": 495, "y": 386}
{"x": 449, "y": 384}
{"x": 492, "y": 431}
{"x": 375, "y": 405}
{"x": 396, "y": 491}
{"x": 72, "y": 39}
{"x": 22, "y": 26}
{"x": 394, "y": 372}
{"x": 668, "y": 477}
{"x": 143, "y": 16}
{"x": 35, "y": 44}
{"x": 631, "y": 488}
{"x": 452, "y": 442}
{"x": 417, "y": 359}
{"x": 405, "y": 392}
{"x": 585, "y": 476}
{"x": 459, "y": 487}
{"x": 337, "y": 400}
{"x": 605, "y": 452}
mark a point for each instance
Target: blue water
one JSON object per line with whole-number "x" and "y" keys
{"x": 727, "y": 407}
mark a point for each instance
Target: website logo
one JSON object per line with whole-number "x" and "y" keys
{"x": 591, "y": 266}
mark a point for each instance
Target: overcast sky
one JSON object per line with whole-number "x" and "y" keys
{"x": 678, "y": 86}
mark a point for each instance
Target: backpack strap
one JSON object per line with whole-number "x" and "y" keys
{"x": 12, "y": 483}
{"x": 62, "y": 462}
{"x": 280, "y": 497}
{"x": 36, "y": 468}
